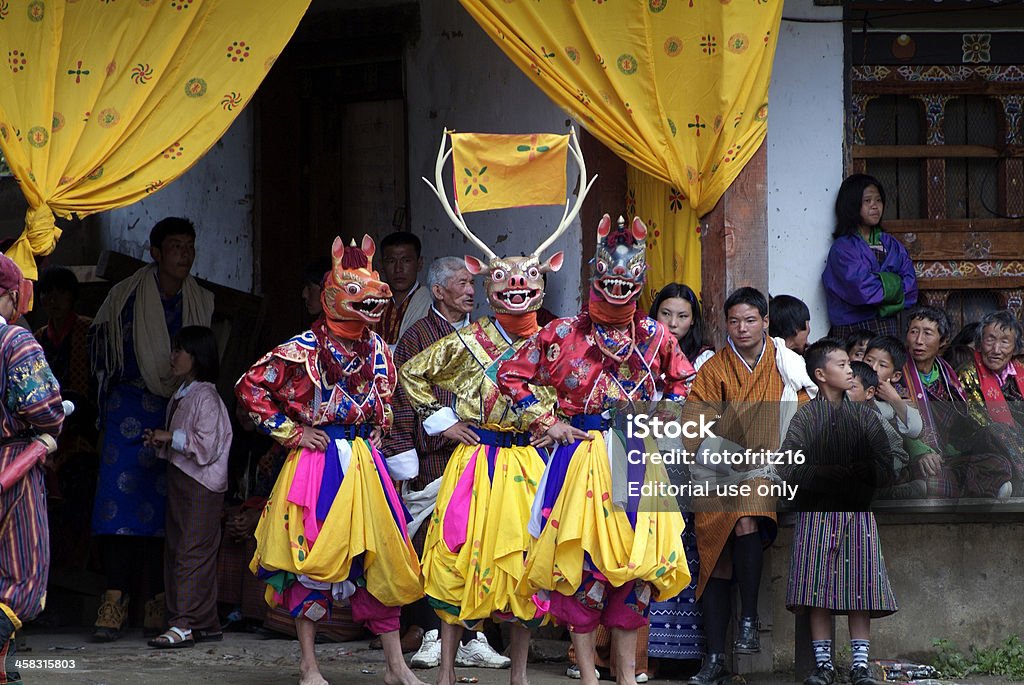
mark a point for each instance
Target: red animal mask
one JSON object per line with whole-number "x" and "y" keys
{"x": 352, "y": 291}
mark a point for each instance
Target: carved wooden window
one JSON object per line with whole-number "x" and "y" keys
{"x": 936, "y": 115}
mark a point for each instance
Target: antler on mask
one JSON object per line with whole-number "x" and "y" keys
{"x": 620, "y": 265}
{"x": 352, "y": 290}
{"x": 515, "y": 285}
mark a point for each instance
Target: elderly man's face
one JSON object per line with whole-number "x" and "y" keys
{"x": 997, "y": 346}
{"x": 457, "y": 294}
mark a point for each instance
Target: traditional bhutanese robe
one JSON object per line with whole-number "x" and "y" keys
{"x": 477, "y": 538}
{"x": 66, "y": 346}
{"x": 31, "y": 406}
{"x": 998, "y": 414}
{"x": 862, "y": 284}
{"x": 837, "y": 560}
{"x": 969, "y": 469}
{"x": 197, "y": 479}
{"x": 848, "y": 456}
{"x": 333, "y": 521}
{"x": 407, "y": 435}
{"x": 582, "y": 534}
{"x": 286, "y": 388}
{"x": 837, "y": 564}
{"x": 399, "y": 316}
{"x": 566, "y": 354}
{"x": 749, "y": 404}
{"x": 131, "y": 490}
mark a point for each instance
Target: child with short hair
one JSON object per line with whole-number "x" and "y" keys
{"x": 887, "y": 355}
{"x": 196, "y": 443}
{"x": 857, "y": 344}
{"x": 837, "y": 565}
{"x": 865, "y": 386}
{"x": 790, "y": 321}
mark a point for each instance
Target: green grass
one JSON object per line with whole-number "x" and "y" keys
{"x": 1005, "y": 659}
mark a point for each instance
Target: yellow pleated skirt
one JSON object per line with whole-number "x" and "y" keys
{"x": 583, "y": 519}
{"x": 474, "y": 553}
{"x": 360, "y": 521}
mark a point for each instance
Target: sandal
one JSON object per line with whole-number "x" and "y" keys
{"x": 173, "y": 638}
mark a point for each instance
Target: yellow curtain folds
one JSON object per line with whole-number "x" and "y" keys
{"x": 103, "y": 103}
{"x": 497, "y": 171}
{"x": 677, "y": 88}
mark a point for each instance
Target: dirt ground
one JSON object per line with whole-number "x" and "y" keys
{"x": 69, "y": 658}
{"x": 241, "y": 659}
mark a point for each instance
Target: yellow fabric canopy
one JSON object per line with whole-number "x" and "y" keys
{"x": 677, "y": 88}
{"x": 103, "y": 102}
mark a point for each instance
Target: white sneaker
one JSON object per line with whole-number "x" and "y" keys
{"x": 480, "y": 654}
{"x": 1005, "y": 490}
{"x": 574, "y": 672}
{"x": 429, "y": 653}
{"x": 642, "y": 678}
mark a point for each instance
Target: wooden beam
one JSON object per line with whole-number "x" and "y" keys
{"x": 935, "y": 245}
{"x": 953, "y": 225}
{"x": 954, "y": 88}
{"x": 933, "y": 151}
{"x": 734, "y": 243}
{"x": 975, "y": 282}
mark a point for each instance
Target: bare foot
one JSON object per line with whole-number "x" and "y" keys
{"x": 311, "y": 677}
{"x": 446, "y": 678}
{"x": 401, "y": 676}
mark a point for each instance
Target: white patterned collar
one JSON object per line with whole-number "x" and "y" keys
{"x": 183, "y": 390}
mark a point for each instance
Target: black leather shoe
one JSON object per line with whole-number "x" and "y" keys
{"x": 823, "y": 675}
{"x": 861, "y": 675}
{"x": 748, "y": 641}
{"x": 712, "y": 671}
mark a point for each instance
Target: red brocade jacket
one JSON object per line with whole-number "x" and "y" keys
{"x": 310, "y": 381}
{"x": 594, "y": 368}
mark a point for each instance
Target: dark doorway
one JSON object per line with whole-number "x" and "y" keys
{"x": 330, "y": 149}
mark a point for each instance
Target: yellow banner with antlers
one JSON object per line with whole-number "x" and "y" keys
{"x": 496, "y": 171}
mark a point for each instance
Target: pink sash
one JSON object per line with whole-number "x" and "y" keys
{"x": 306, "y": 488}
{"x": 456, "y": 514}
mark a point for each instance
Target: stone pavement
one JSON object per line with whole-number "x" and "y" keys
{"x": 69, "y": 658}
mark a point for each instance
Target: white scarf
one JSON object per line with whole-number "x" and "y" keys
{"x": 794, "y": 377}
{"x": 151, "y": 339}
